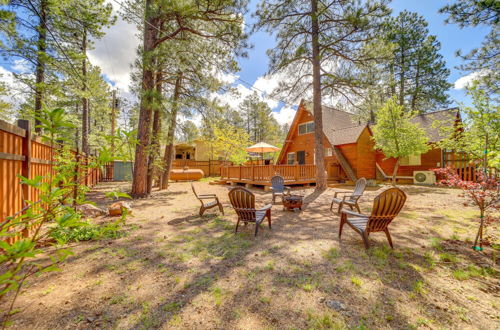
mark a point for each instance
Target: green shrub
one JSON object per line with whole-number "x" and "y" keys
{"x": 87, "y": 232}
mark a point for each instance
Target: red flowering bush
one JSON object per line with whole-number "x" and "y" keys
{"x": 484, "y": 193}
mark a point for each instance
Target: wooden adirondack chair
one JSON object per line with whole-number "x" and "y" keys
{"x": 386, "y": 207}
{"x": 278, "y": 187}
{"x": 350, "y": 198}
{"x": 207, "y": 201}
{"x": 243, "y": 202}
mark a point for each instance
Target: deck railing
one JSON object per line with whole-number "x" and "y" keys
{"x": 264, "y": 173}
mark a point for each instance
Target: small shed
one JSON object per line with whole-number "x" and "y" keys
{"x": 122, "y": 170}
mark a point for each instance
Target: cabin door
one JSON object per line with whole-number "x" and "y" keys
{"x": 301, "y": 157}
{"x": 333, "y": 171}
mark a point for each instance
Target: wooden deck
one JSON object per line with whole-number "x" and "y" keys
{"x": 261, "y": 174}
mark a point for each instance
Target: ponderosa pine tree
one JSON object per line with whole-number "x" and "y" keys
{"x": 45, "y": 39}
{"x": 418, "y": 73}
{"x": 320, "y": 46}
{"x": 258, "y": 120}
{"x": 484, "y": 60}
{"x": 218, "y": 21}
{"x": 78, "y": 25}
{"x": 29, "y": 41}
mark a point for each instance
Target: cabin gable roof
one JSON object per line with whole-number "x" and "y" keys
{"x": 426, "y": 121}
{"x": 339, "y": 127}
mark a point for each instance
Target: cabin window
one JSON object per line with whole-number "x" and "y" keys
{"x": 328, "y": 152}
{"x": 306, "y": 128}
{"x": 290, "y": 158}
{"x": 411, "y": 160}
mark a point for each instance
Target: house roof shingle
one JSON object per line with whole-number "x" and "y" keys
{"x": 340, "y": 127}
{"x": 427, "y": 120}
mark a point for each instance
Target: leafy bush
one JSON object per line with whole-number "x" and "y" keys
{"x": 87, "y": 232}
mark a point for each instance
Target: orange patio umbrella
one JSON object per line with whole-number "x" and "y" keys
{"x": 262, "y": 148}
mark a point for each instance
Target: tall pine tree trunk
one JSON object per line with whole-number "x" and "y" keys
{"x": 402, "y": 80}
{"x": 321, "y": 183}
{"x": 40, "y": 63}
{"x": 416, "y": 91}
{"x": 139, "y": 182}
{"x": 169, "y": 147}
{"x": 155, "y": 139}
{"x": 85, "y": 101}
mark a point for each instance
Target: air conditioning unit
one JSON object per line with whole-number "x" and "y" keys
{"x": 424, "y": 177}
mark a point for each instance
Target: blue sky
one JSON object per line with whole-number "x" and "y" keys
{"x": 451, "y": 37}
{"x": 116, "y": 51}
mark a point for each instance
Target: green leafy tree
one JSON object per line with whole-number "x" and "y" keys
{"x": 396, "y": 135}
{"x": 230, "y": 141}
{"x": 478, "y": 135}
{"x": 320, "y": 46}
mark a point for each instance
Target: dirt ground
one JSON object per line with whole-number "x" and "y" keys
{"x": 175, "y": 269}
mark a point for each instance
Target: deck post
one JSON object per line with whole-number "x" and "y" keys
{"x": 240, "y": 171}
{"x": 253, "y": 173}
{"x": 297, "y": 171}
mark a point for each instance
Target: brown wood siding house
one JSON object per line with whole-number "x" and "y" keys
{"x": 349, "y": 147}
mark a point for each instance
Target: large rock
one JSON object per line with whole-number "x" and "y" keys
{"x": 89, "y": 210}
{"x": 118, "y": 207}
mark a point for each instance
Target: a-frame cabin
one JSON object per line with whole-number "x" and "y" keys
{"x": 349, "y": 147}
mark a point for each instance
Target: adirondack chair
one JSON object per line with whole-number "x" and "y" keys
{"x": 350, "y": 199}
{"x": 386, "y": 207}
{"x": 278, "y": 187}
{"x": 207, "y": 201}
{"x": 243, "y": 202}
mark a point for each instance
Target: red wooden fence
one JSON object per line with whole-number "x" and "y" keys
{"x": 29, "y": 156}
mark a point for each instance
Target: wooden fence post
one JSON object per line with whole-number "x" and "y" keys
{"x": 26, "y": 167}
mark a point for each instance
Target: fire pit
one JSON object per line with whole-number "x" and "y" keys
{"x": 292, "y": 202}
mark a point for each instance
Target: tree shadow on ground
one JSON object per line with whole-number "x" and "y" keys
{"x": 205, "y": 252}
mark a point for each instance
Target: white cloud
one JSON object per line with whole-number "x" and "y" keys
{"x": 21, "y": 66}
{"x": 284, "y": 115}
{"x": 465, "y": 81}
{"x": 263, "y": 86}
{"x": 116, "y": 51}
{"x": 15, "y": 92}
{"x": 267, "y": 83}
